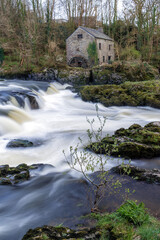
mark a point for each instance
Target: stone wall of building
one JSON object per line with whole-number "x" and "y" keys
{"x": 78, "y": 46}
{"x": 106, "y": 51}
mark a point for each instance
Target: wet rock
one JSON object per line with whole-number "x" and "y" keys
{"x": 33, "y": 102}
{"x": 16, "y": 143}
{"x": 23, "y": 166}
{"x": 24, "y": 175}
{"x": 20, "y": 97}
{"x": 5, "y": 181}
{"x": 134, "y": 142}
{"x": 13, "y": 175}
{"x": 149, "y": 176}
{"x": 4, "y": 170}
{"x": 61, "y": 233}
{"x": 48, "y": 75}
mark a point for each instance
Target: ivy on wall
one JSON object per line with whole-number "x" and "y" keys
{"x": 1, "y": 55}
{"x": 92, "y": 53}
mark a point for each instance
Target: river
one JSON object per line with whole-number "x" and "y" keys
{"x": 58, "y": 123}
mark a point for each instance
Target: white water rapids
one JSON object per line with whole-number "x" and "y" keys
{"x": 61, "y": 119}
{"x": 58, "y": 123}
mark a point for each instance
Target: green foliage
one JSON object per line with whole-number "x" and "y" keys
{"x": 130, "y": 53}
{"x": 150, "y": 232}
{"x": 114, "y": 227}
{"x": 129, "y": 222}
{"x": 1, "y": 56}
{"x": 44, "y": 236}
{"x": 86, "y": 163}
{"x": 133, "y": 213}
{"x": 92, "y": 53}
{"x": 62, "y": 32}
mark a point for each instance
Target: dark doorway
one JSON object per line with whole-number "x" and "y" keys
{"x": 78, "y": 62}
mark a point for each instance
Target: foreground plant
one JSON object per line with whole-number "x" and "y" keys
{"x": 87, "y": 163}
{"x": 130, "y": 221}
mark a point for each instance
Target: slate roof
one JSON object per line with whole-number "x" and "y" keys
{"x": 95, "y": 33}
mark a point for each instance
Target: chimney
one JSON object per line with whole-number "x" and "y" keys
{"x": 100, "y": 29}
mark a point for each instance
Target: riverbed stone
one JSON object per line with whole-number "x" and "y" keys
{"x": 149, "y": 176}
{"x": 16, "y": 143}
{"x": 14, "y": 175}
{"x": 62, "y": 233}
{"x": 134, "y": 142}
{"x": 22, "y": 175}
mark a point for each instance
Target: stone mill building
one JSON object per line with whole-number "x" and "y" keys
{"x": 77, "y": 45}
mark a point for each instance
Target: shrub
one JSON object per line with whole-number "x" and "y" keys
{"x": 130, "y": 53}
{"x": 133, "y": 213}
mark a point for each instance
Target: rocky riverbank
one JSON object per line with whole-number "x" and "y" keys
{"x": 144, "y": 93}
{"x": 116, "y": 73}
{"x": 87, "y": 228}
{"x": 125, "y": 223}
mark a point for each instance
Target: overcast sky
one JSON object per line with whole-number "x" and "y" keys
{"x": 60, "y": 13}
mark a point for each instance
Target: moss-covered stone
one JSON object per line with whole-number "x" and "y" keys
{"x": 61, "y": 233}
{"x": 144, "y": 93}
{"x": 149, "y": 176}
{"x": 134, "y": 142}
{"x": 14, "y": 175}
{"x": 21, "y": 143}
{"x": 16, "y": 143}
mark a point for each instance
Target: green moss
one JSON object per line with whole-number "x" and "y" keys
{"x": 134, "y": 142}
{"x": 126, "y": 94}
{"x": 131, "y": 220}
{"x": 44, "y": 236}
{"x": 130, "y": 71}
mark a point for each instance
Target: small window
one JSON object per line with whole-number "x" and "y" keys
{"x": 100, "y": 46}
{"x": 80, "y": 36}
{"x": 110, "y": 46}
{"x": 103, "y": 58}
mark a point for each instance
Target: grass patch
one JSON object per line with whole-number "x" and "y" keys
{"x": 130, "y": 221}
{"x": 133, "y": 213}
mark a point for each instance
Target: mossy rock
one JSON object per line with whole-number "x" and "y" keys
{"x": 61, "y": 233}
{"x": 149, "y": 176}
{"x": 127, "y": 94}
{"x": 134, "y": 142}
{"x": 17, "y": 143}
{"x": 14, "y": 175}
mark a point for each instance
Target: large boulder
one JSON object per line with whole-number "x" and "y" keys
{"x": 134, "y": 142}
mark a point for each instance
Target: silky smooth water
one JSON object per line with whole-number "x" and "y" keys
{"x": 58, "y": 123}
